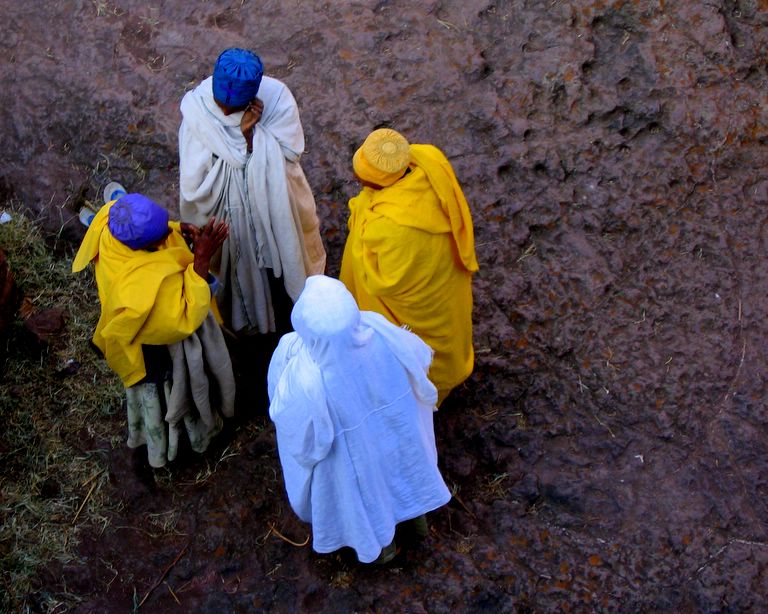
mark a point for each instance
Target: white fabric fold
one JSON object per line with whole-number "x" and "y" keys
{"x": 203, "y": 380}
{"x": 264, "y": 196}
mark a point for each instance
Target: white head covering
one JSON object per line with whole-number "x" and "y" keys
{"x": 326, "y": 317}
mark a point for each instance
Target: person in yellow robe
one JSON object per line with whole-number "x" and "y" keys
{"x": 155, "y": 294}
{"x": 410, "y": 251}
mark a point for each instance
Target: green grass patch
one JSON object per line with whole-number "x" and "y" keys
{"x": 60, "y": 408}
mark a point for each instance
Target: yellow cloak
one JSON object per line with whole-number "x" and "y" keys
{"x": 147, "y": 297}
{"x": 410, "y": 256}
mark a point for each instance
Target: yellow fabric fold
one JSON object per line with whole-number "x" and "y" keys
{"x": 147, "y": 297}
{"x": 454, "y": 205}
{"x": 410, "y": 256}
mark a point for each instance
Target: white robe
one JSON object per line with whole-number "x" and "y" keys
{"x": 355, "y": 432}
{"x": 263, "y": 196}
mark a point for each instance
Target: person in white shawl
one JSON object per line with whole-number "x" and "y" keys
{"x": 352, "y": 406}
{"x": 239, "y": 161}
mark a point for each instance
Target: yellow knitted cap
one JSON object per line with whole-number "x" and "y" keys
{"x": 382, "y": 158}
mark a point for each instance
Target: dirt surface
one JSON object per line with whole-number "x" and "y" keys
{"x": 609, "y": 452}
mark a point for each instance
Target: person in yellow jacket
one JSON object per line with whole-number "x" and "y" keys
{"x": 410, "y": 252}
{"x": 154, "y": 293}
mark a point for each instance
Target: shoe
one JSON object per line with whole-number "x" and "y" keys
{"x": 387, "y": 554}
{"x": 86, "y": 215}
{"x": 419, "y": 526}
{"x": 113, "y": 191}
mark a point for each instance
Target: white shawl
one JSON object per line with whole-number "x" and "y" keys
{"x": 263, "y": 196}
{"x": 353, "y": 407}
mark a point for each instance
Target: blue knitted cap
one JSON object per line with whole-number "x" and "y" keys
{"x": 137, "y": 222}
{"x": 236, "y": 77}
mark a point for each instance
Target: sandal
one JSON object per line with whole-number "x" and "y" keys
{"x": 113, "y": 191}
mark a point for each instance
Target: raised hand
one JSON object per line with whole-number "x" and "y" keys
{"x": 207, "y": 241}
{"x": 251, "y": 117}
{"x": 189, "y": 232}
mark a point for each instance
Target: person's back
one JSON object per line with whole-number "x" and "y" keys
{"x": 383, "y": 439}
{"x": 410, "y": 250}
{"x": 353, "y": 411}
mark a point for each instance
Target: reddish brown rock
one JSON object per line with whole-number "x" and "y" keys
{"x": 45, "y": 325}
{"x": 614, "y": 156}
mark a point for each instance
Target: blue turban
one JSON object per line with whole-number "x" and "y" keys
{"x": 236, "y": 77}
{"x": 137, "y": 222}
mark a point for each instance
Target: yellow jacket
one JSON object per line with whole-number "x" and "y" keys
{"x": 147, "y": 297}
{"x": 410, "y": 256}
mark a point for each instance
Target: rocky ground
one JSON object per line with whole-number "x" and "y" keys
{"x": 609, "y": 452}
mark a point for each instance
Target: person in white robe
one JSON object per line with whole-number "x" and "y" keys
{"x": 240, "y": 143}
{"x": 353, "y": 408}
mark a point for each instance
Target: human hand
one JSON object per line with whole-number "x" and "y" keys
{"x": 207, "y": 241}
{"x": 251, "y": 117}
{"x": 189, "y": 232}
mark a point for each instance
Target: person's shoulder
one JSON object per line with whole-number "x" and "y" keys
{"x": 274, "y": 92}
{"x": 271, "y": 79}
{"x": 202, "y": 88}
{"x": 428, "y": 150}
{"x": 199, "y": 97}
{"x": 289, "y": 345}
{"x": 268, "y": 82}
{"x": 430, "y": 156}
